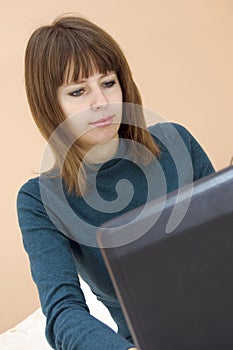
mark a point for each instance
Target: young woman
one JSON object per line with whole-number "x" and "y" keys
{"x": 86, "y": 105}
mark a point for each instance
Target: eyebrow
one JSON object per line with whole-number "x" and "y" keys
{"x": 84, "y": 80}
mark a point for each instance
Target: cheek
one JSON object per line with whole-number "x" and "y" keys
{"x": 79, "y": 120}
{"x": 117, "y": 110}
{"x": 116, "y": 95}
{"x": 72, "y": 109}
{"x": 116, "y": 105}
{"x": 71, "y": 106}
{"x": 119, "y": 95}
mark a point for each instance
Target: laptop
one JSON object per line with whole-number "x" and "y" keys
{"x": 175, "y": 285}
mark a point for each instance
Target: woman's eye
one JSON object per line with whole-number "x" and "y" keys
{"x": 109, "y": 84}
{"x": 76, "y": 93}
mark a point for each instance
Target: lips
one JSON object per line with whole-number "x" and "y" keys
{"x": 103, "y": 121}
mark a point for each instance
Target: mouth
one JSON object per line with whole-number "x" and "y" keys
{"x": 103, "y": 121}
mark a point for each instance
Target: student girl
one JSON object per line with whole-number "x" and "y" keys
{"x": 77, "y": 77}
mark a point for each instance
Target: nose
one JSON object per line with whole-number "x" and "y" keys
{"x": 99, "y": 100}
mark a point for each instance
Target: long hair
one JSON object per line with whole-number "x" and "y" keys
{"x": 75, "y": 46}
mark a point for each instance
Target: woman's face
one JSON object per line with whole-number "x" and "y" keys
{"x": 95, "y": 104}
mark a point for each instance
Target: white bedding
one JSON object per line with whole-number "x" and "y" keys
{"x": 29, "y": 334}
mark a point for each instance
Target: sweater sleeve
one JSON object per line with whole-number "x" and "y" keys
{"x": 69, "y": 325}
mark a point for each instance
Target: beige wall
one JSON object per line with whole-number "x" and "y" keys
{"x": 181, "y": 53}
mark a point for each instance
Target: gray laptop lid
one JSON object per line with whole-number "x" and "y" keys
{"x": 176, "y": 289}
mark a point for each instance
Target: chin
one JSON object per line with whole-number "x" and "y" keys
{"x": 101, "y": 135}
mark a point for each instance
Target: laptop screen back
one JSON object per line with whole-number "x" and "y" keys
{"x": 176, "y": 289}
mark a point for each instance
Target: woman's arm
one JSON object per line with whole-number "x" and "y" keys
{"x": 69, "y": 324}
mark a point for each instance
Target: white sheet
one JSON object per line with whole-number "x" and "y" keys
{"x": 29, "y": 334}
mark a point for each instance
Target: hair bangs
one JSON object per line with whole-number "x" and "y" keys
{"x": 86, "y": 59}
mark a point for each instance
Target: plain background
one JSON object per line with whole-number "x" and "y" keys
{"x": 181, "y": 54}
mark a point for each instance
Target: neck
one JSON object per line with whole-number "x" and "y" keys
{"x": 102, "y": 152}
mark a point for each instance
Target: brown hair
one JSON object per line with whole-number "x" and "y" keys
{"x": 76, "y": 42}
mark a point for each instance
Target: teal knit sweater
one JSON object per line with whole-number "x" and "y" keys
{"x": 59, "y": 229}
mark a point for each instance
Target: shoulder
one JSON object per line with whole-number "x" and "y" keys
{"x": 28, "y": 195}
{"x": 35, "y": 188}
{"x": 28, "y": 200}
{"x": 166, "y": 126}
{"x": 171, "y": 136}
{"x": 30, "y": 186}
{"x": 30, "y": 189}
{"x": 177, "y": 140}
{"x": 170, "y": 129}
